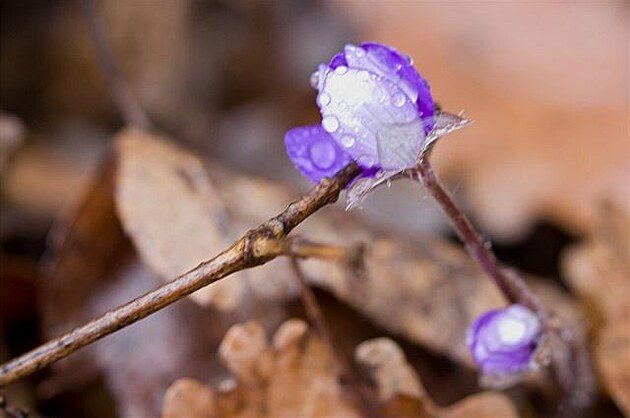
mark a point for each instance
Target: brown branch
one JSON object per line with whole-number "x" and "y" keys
{"x": 256, "y": 247}
{"x": 349, "y": 255}
{"x": 119, "y": 89}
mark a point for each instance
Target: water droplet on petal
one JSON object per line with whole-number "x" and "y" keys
{"x": 364, "y": 75}
{"x": 347, "y": 141}
{"x": 314, "y": 80}
{"x": 341, "y": 70}
{"x": 322, "y": 154}
{"x": 324, "y": 99}
{"x": 358, "y": 52}
{"x": 330, "y": 123}
{"x": 399, "y": 99}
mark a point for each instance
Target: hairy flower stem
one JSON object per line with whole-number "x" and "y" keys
{"x": 512, "y": 286}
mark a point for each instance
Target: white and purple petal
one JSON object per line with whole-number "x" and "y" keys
{"x": 503, "y": 341}
{"x": 314, "y": 152}
{"x": 370, "y": 117}
{"x": 397, "y": 68}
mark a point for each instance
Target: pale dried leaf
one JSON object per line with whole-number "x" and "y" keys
{"x": 599, "y": 271}
{"x": 171, "y": 211}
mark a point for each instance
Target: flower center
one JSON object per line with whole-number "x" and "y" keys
{"x": 511, "y": 331}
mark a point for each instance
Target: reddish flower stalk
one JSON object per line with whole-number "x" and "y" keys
{"x": 512, "y": 286}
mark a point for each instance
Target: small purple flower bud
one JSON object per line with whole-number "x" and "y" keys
{"x": 503, "y": 341}
{"x": 313, "y": 151}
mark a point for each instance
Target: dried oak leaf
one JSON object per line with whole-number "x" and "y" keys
{"x": 599, "y": 271}
{"x": 425, "y": 289}
{"x": 296, "y": 375}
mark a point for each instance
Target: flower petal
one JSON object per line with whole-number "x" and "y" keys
{"x": 370, "y": 118}
{"x": 337, "y": 60}
{"x": 314, "y": 152}
{"x": 397, "y": 68}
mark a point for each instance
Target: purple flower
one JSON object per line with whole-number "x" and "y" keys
{"x": 376, "y": 109}
{"x": 373, "y": 103}
{"x": 503, "y": 341}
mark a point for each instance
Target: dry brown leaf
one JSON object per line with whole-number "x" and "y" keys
{"x": 171, "y": 211}
{"x": 85, "y": 244}
{"x": 402, "y": 393}
{"x": 296, "y": 375}
{"x": 426, "y": 289}
{"x": 599, "y": 271}
{"x": 549, "y": 105}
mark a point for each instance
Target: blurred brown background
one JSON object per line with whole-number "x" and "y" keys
{"x": 547, "y": 85}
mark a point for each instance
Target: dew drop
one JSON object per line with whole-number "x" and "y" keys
{"x": 330, "y": 123}
{"x": 366, "y": 161}
{"x": 364, "y": 75}
{"x": 347, "y": 141}
{"x": 399, "y": 99}
{"x": 314, "y": 80}
{"x": 324, "y": 99}
{"x": 322, "y": 154}
{"x": 341, "y": 70}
